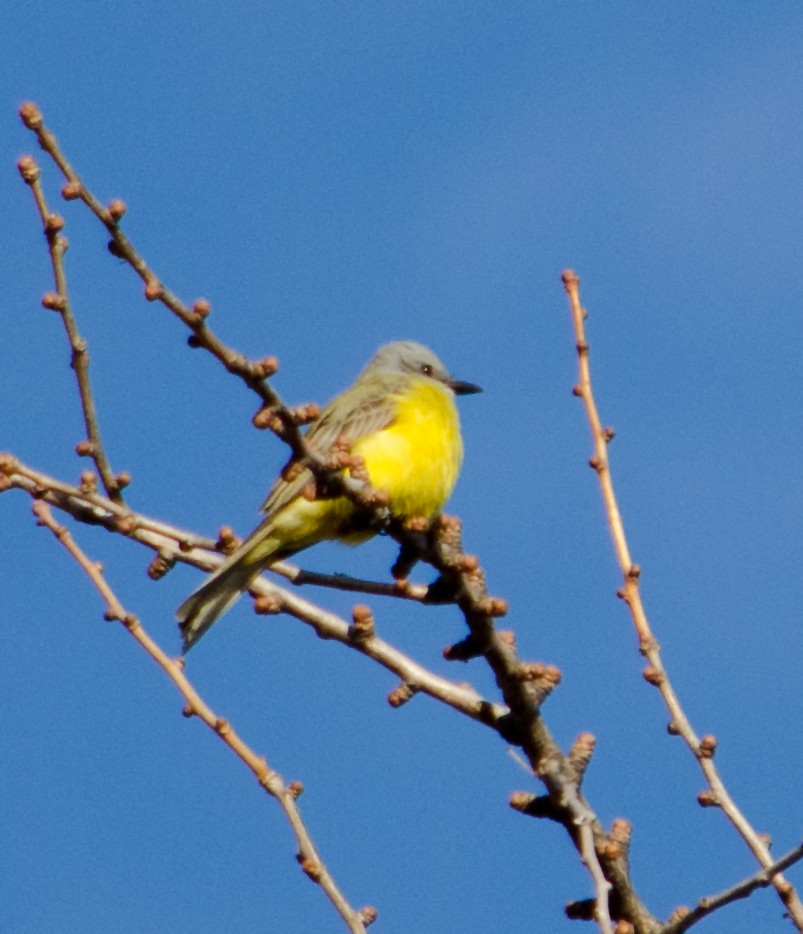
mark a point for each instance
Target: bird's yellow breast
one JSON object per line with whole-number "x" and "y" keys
{"x": 417, "y": 458}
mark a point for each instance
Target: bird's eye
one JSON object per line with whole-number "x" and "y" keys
{"x": 426, "y": 369}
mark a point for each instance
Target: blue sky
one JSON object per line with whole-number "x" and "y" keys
{"x": 332, "y": 176}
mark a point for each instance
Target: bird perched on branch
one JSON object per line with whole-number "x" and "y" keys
{"x": 400, "y": 418}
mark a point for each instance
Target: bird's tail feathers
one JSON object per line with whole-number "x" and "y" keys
{"x": 217, "y": 593}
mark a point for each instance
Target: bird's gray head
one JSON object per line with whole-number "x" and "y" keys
{"x": 412, "y": 358}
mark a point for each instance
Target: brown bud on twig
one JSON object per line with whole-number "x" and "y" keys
{"x": 624, "y": 927}
{"x": 88, "y": 482}
{"x": 125, "y": 525}
{"x": 581, "y": 751}
{"x": 448, "y": 530}
{"x": 115, "y": 249}
{"x": 227, "y": 541}
{"x": 610, "y": 849}
{"x": 707, "y": 799}
{"x": 402, "y": 693}
{"x": 202, "y": 308}
{"x": 358, "y": 470}
{"x": 678, "y": 914}
{"x": 122, "y": 480}
{"x": 304, "y": 414}
{"x": 311, "y": 867}
{"x": 708, "y": 746}
{"x": 160, "y": 565}
{"x": 53, "y": 301}
{"x": 31, "y": 115}
{"x": 414, "y": 524}
{"x": 368, "y": 914}
{"x": 577, "y": 391}
{"x": 296, "y": 788}
{"x": 28, "y": 169}
{"x": 672, "y": 728}
{"x": 507, "y": 637}
{"x": 362, "y": 626}
{"x": 117, "y": 209}
{"x": 54, "y": 223}
{"x": 153, "y": 290}
{"x": 494, "y": 606}
{"x": 634, "y": 572}
{"x": 532, "y": 671}
{"x": 268, "y": 366}
{"x": 521, "y": 800}
{"x": 653, "y": 676}
{"x": 596, "y": 463}
{"x": 608, "y": 434}
{"x": 71, "y": 190}
{"x": 85, "y": 449}
{"x": 342, "y": 444}
{"x": 266, "y": 417}
{"x": 467, "y": 563}
{"x": 265, "y": 605}
{"x": 545, "y": 678}
{"x": 621, "y": 831}
{"x": 377, "y": 498}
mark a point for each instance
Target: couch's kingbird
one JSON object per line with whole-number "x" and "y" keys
{"x": 400, "y": 417}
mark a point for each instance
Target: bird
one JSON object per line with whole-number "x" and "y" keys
{"x": 400, "y": 417}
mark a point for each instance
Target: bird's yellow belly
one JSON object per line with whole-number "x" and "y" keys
{"x": 417, "y": 458}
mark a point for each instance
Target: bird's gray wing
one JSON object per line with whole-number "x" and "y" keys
{"x": 361, "y": 410}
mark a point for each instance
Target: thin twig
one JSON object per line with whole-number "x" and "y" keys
{"x": 308, "y": 856}
{"x": 711, "y": 903}
{"x": 601, "y": 884}
{"x": 252, "y": 373}
{"x": 59, "y": 301}
{"x": 302, "y": 577}
{"x": 656, "y": 674}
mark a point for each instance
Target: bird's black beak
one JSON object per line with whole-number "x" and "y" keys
{"x": 459, "y": 388}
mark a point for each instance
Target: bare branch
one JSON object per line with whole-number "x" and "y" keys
{"x": 59, "y": 301}
{"x": 252, "y": 373}
{"x": 286, "y": 795}
{"x": 656, "y": 674}
{"x": 711, "y": 903}
{"x": 301, "y": 577}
